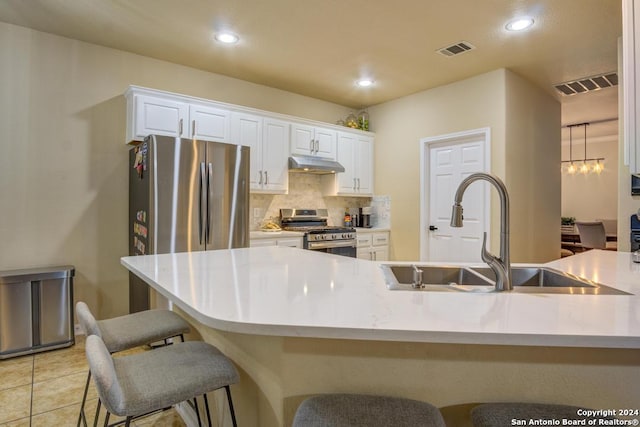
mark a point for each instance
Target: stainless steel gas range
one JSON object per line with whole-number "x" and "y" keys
{"x": 318, "y": 236}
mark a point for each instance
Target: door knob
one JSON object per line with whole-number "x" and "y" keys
{"x": 432, "y": 228}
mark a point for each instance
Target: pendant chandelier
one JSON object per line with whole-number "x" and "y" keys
{"x": 584, "y": 165}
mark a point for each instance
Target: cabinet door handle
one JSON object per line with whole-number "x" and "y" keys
{"x": 180, "y": 127}
{"x": 193, "y": 129}
{"x": 358, "y": 184}
{"x": 311, "y": 146}
{"x": 266, "y": 178}
{"x": 260, "y": 182}
{"x": 317, "y": 145}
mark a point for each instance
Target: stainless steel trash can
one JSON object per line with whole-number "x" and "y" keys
{"x": 36, "y": 310}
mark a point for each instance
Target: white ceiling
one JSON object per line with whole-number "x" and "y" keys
{"x": 319, "y": 48}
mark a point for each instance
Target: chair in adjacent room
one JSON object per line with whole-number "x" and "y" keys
{"x": 127, "y": 332}
{"x": 358, "y": 410}
{"x": 135, "y": 385}
{"x": 593, "y": 236}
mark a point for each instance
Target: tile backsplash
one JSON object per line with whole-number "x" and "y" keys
{"x": 305, "y": 191}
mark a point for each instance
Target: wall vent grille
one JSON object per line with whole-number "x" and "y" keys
{"x": 588, "y": 84}
{"x": 456, "y": 49}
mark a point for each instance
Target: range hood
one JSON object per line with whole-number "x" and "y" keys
{"x": 311, "y": 164}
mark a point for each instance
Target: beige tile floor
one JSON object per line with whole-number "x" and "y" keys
{"x": 45, "y": 390}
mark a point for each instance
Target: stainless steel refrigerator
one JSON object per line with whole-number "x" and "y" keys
{"x": 185, "y": 195}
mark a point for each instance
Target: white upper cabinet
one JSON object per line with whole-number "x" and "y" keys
{"x": 147, "y": 115}
{"x": 272, "y": 137}
{"x": 275, "y": 155}
{"x": 313, "y": 141}
{"x": 631, "y": 83}
{"x": 269, "y": 142}
{"x": 171, "y": 115}
{"x": 246, "y": 129}
{"x": 355, "y": 153}
{"x": 208, "y": 123}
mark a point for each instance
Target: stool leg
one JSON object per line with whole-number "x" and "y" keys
{"x": 233, "y": 414}
{"x": 195, "y": 406}
{"x": 128, "y": 422}
{"x": 106, "y": 419}
{"x": 82, "y": 417}
{"x": 95, "y": 420}
{"x": 206, "y": 405}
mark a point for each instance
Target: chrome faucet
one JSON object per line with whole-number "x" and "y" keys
{"x": 501, "y": 266}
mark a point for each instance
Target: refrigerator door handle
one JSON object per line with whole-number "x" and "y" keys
{"x": 203, "y": 203}
{"x": 209, "y": 201}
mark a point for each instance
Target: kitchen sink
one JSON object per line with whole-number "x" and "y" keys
{"x": 482, "y": 279}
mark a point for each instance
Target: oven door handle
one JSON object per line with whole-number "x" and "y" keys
{"x": 332, "y": 244}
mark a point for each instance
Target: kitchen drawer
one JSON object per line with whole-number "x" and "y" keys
{"x": 380, "y": 239}
{"x": 363, "y": 240}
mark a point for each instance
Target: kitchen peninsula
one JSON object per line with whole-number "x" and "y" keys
{"x": 298, "y": 323}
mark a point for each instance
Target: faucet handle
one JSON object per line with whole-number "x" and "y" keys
{"x": 417, "y": 277}
{"x": 487, "y": 256}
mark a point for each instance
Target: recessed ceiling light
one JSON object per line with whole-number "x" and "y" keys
{"x": 228, "y": 38}
{"x": 364, "y": 82}
{"x": 519, "y": 24}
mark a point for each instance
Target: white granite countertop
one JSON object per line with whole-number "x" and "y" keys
{"x": 291, "y": 292}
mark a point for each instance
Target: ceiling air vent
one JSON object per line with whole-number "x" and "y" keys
{"x": 588, "y": 84}
{"x": 456, "y": 49}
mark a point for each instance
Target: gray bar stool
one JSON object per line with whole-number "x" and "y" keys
{"x": 127, "y": 332}
{"x": 502, "y": 414}
{"x": 142, "y": 383}
{"x": 358, "y": 410}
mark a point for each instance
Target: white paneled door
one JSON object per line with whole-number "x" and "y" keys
{"x": 449, "y": 162}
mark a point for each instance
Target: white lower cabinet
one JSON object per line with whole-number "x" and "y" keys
{"x": 292, "y": 242}
{"x": 373, "y": 245}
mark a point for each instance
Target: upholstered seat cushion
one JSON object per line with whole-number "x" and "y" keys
{"x": 502, "y": 414}
{"x": 356, "y": 410}
{"x": 132, "y": 330}
{"x": 159, "y": 378}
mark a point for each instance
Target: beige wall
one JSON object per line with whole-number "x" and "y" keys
{"x": 532, "y": 161}
{"x": 588, "y": 196}
{"x": 63, "y": 162}
{"x": 399, "y": 124}
{"x": 525, "y": 153}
